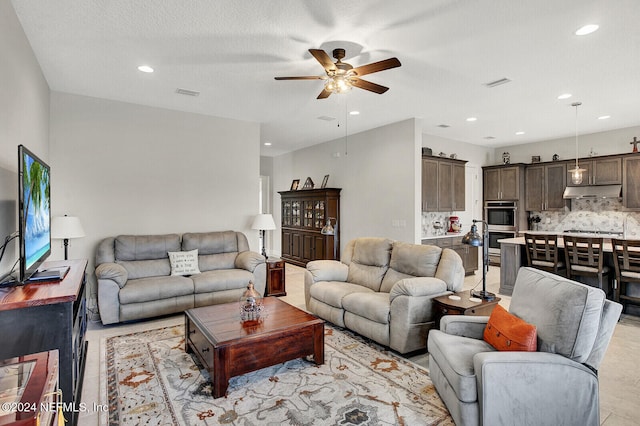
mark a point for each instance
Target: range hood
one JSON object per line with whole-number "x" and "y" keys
{"x": 594, "y": 191}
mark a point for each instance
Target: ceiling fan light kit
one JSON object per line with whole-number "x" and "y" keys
{"x": 341, "y": 77}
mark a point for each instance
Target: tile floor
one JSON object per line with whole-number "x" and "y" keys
{"x": 619, "y": 373}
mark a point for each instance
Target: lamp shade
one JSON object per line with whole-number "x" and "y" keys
{"x": 472, "y": 238}
{"x": 66, "y": 227}
{"x": 263, "y": 222}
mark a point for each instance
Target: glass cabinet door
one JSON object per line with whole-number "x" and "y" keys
{"x": 286, "y": 213}
{"x": 319, "y": 214}
{"x": 295, "y": 213}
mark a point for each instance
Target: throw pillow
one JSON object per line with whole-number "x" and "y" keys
{"x": 507, "y": 332}
{"x": 184, "y": 262}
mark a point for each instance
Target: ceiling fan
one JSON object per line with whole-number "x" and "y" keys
{"x": 342, "y": 76}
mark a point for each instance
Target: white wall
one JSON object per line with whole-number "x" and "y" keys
{"x": 24, "y": 118}
{"x": 125, "y": 168}
{"x": 379, "y": 177}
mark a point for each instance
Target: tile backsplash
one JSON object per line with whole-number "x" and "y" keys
{"x": 590, "y": 214}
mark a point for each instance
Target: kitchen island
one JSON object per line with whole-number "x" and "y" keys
{"x": 513, "y": 255}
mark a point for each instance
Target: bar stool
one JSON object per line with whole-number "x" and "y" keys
{"x": 584, "y": 257}
{"x": 542, "y": 253}
{"x": 626, "y": 255}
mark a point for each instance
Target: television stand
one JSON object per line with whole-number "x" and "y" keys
{"x": 49, "y": 274}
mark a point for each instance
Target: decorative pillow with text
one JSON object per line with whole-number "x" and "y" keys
{"x": 184, "y": 262}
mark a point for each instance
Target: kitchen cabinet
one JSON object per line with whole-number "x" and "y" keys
{"x": 469, "y": 254}
{"x": 545, "y": 185}
{"x": 631, "y": 182}
{"x": 443, "y": 184}
{"x": 304, "y": 214}
{"x": 598, "y": 171}
{"x": 502, "y": 182}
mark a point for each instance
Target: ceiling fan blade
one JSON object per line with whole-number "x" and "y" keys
{"x": 324, "y": 59}
{"x": 324, "y": 94}
{"x": 367, "y": 85}
{"x": 305, "y": 77}
{"x": 377, "y": 66}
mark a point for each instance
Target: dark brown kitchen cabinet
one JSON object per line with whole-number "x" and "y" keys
{"x": 502, "y": 182}
{"x": 469, "y": 254}
{"x": 631, "y": 182}
{"x": 304, "y": 214}
{"x": 598, "y": 171}
{"x": 545, "y": 185}
{"x": 443, "y": 184}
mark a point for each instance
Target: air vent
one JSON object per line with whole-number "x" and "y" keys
{"x": 497, "y": 82}
{"x": 187, "y": 92}
{"x": 444, "y": 126}
{"x": 326, "y": 118}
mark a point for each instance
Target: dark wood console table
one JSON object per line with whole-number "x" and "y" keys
{"x": 40, "y": 317}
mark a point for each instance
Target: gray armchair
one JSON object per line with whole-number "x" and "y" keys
{"x": 557, "y": 385}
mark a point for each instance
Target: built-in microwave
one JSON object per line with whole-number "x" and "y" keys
{"x": 501, "y": 215}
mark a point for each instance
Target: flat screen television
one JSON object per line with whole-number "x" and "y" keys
{"x": 34, "y": 213}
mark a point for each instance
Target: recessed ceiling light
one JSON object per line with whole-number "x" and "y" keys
{"x": 519, "y": 133}
{"x": 471, "y": 119}
{"x": 587, "y": 29}
{"x": 145, "y": 68}
{"x": 604, "y": 117}
{"x": 354, "y": 112}
{"x": 565, "y": 96}
{"x": 267, "y": 144}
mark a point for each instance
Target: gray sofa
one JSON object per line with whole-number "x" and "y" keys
{"x": 556, "y": 385}
{"x": 135, "y": 281}
{"x": 382, "y": 289}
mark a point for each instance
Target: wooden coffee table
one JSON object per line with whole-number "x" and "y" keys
{"x": 228, "y": 347}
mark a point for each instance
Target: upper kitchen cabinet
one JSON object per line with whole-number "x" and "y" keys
{"x": 503, "y": 182}
{"x": 598, "y": 171}
{"x": 545, "y": 185}
{"x": 443, "y": 184}
{"x": 631, "y": 182}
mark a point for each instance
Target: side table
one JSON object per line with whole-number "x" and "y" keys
{"x": 275, "y": 278}
{"x": 443, "y": 305}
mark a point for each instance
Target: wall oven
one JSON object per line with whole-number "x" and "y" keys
{"x": 502, "y": 222}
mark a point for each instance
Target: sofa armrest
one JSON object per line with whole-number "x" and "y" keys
{"x": 328, "y": 270}
{"x": 113, "y": 272}
{"x": 419, "y": 286}
{"x": 464, "y": 325}
{"x": 517, "y": 385}
{"x": 249, "y": 260}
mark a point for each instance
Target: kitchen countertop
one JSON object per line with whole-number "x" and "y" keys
{"x": 606, "y": 246}
{"x": 447, "y": 235}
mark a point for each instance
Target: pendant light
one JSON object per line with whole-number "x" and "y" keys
{"x": 576, "y": 173}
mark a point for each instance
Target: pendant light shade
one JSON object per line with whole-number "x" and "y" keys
{"x": 576, "y": 173}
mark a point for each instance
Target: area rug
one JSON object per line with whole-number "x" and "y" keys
{"x": 150, "y": 380}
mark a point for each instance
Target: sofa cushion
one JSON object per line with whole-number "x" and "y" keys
{"x": 455, "y": 359}
{"x": 146, "y": 268}
{"x": 145, "y": 247}
{"x": 221, "y": 279}
{"x": 211, "y": 242}
{"x": 155, "y": 288}
{"x": 411, "y": 260}
{"x": 373, "y": 306}
{"x": 333, "y": 292}
{"x": 370, "y": 262}
{"x": 566, "y": 313}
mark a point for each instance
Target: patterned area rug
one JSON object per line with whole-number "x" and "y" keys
{"x": 151, "y": 381}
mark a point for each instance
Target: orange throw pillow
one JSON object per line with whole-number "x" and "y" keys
{"x": 507, "y": 332}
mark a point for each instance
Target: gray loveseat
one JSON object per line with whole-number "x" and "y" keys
{"x": 382, "y": 289}
{"x": 135, "y": 281}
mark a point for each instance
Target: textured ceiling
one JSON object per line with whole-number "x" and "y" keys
{"x": 230, "y": 50}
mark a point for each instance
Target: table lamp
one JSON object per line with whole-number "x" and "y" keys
{"x": 64, "y": 228}
{"x": 263, "y": 222}
{"x": 474, "y": 239}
